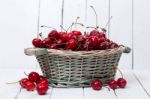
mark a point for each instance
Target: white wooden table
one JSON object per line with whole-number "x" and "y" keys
{"x": 138, "y": 88}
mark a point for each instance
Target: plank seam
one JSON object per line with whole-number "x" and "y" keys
{"x": 140, "y": 84}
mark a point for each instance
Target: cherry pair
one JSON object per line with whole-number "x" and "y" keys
{"x": 35, "y": 81}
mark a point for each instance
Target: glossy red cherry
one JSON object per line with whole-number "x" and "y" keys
{"x": 114, "y": 45}
{"x": 76, "y": 33}
{"x": 63, "y": 36}
{"x": 53, "y": 34}
{"x": 96, "y": 84}
{"x": 23, "y": 81}
{"x": 112, "y": 84}
{"x": 40, "y": 78}
{"x": 36, "y": 42}
{"x": 72, "y": 44}
{"x": 47, "y": 41}
{"x": 43, "y": 81}
{"x": 94, "y": 41}
{"x": 104, "y": 45}
{"x": 42, "y": 88}
{"x": 53, "y": 46}
{"x": 30, "y": 86}
{"x": 121, "y": 83}
{"x": 101, "y": 34}
{"x": 94, "y": 33}
{"x": 33, "y": 76}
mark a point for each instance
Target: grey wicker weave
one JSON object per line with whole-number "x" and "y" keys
{"x": 77, "y": 68}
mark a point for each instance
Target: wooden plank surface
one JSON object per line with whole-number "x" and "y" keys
{"x": 133, "y": 90}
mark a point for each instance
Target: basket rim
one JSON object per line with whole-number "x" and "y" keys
{"x": 43, "y": 51}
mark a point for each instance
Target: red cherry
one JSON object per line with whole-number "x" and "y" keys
{"x": 63, "y": 36}
{"x": 102, "y": 39}
{"x": 94, "y": 41}
{"x": 47, "y": 41}
{"x": 53, "y": 34}
{"x": 114, "y": 45}
{"x": 72, "y": 44}
{"x": 53, "y": 46}
{"x": 70, "y": 36}
{"x": 33, "y": 76}
{"x": 76, "y": 33}
{"x": 43, "y": 81}
{"x": 121, "y": 83}
{"x": 42, "y": 88}
{"x": 112, "y": 84}
{"x": 36, "y": 42}
{"x": 30, "y": 86}
{"x": 101, "y": 34}
{"x": 23, "y": 81}
{"x": 40, "y": 78}
{"x": 94, "y": 33}
{"x": 81, "y": 38}
{"x": 96, "y": 84}
{"x": 104, "y": 45}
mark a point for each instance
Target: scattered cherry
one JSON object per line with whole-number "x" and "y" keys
{"x": 112, "y": 84}
{"x": 33, "y": 76}
{"x": 42, "y": 88}
{"x": 96, "y": 84}
{"x": 23, "y": 81}
{"x": 121, "y": 82}
{"x": 30, "y": 86}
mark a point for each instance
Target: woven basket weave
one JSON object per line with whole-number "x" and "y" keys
{"x": 77, "y": 68}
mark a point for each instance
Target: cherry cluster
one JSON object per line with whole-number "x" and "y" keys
{"x": 75, "y": 40}
{"x": 113, "y": 84}
{"x": 35, "y": 81}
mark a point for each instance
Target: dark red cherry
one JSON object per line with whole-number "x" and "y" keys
{"x": 53, "y": 34}
{"x": 112, "y": 84}
{"x": 37, "y": 42}
{"x": 76, "y": 33}
{"x": 23, "y": 81}
{"x": 47, "y": 41}
{"x": 30, "y": 86}
{"x": 72, "y": 44}
{"x": 42, "y": 88}
{"x": 121, "y": 82}
{"x": 33, "y": 76}
{"x": 53, "y": 46}
{"x": 96, "y": 84}
{"x": 104, "y": 45}
{"x": 94, "y": 41}
{"x": 94, "y": 33}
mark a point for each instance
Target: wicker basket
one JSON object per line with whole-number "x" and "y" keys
{"x": 77, "y": 68}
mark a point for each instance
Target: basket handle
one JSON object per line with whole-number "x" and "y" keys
{"x": 126, "y": 49}
{"x": 35, "y": 51}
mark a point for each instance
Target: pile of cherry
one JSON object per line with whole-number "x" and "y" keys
{"x": 75, "y": 40}
{"x": 35, "y": 81}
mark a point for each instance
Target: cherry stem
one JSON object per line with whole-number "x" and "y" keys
{"x": 108, "y": 22}
{"x": 70, "y": 27}
{"x": 115, "y": 92}
{"x": 95, "y": 15}
{"x": 12, "y": 82}
{"x": 76, "y": 22}
{"x": 92, "y": 27}
{"x": 48, "y": 27}
{"x": 25, "y": 73}
{"x": 107, "y": 88}
{"x": 120, "y": 72}
{"x": 63, "y": 28}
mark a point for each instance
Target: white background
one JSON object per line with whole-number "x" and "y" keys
{"x": 20, "y": 21}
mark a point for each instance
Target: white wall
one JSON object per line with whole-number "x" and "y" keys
{"x": 19, "y": 21}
